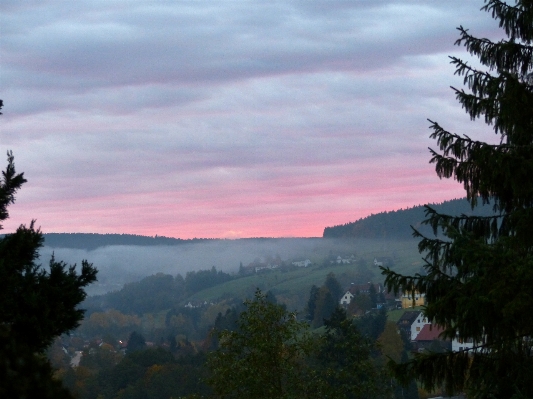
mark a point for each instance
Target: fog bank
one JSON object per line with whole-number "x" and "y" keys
{"x": 119, "y": 264}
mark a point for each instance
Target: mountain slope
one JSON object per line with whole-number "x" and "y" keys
{"x": 397, "y": 224}
{"x": 91, "y": 241}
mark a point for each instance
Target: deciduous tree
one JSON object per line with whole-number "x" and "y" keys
{"x": 264, "y": 357}
{"x": 390, "y": 342}
{"x": 345, "y": 368}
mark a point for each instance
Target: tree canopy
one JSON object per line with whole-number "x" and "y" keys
{"x": 345, "y": 368}
{"x": 270, "y": 354}
{"x": 263, "y": 357}
{"x": 478, "y": 276}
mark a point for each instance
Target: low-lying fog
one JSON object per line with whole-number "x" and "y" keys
{"x": 118, "y": 265}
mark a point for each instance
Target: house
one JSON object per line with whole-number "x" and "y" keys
{"x": 365, "y": 288}
{"x": 270, "y": 266}
{"x": 343, "y": 261}
{"x": 409, "y": 299}
{"x": 302, "y": 263}
{"x": 411, "y": 323}
{"x": 429, "y": 339}
{"x": 418, "y": 325}
{"x": 192, "y": 305}
{"x": 346, "y": 298}
{"x": 75, "y": 361}
{"x": 385, "y": 261}
{"x": 356, "y": 289}
{"x": 461, "y": 345}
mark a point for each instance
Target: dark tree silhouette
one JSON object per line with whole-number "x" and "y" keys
{"x": 311, "y": 303}
{"x": 136, "y": 342}
{"x": 36, "y": 304}
{"x": 479, "y": 276}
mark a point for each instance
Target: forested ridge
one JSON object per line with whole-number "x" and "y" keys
{"x": 397, "y": 224}
{"x": 91, "y": 241}
{"x": 388, "y": 224}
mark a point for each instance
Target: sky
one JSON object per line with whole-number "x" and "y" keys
{"x": 228, "y": 118}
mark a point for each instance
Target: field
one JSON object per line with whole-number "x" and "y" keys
{"x": 292, "y": 286}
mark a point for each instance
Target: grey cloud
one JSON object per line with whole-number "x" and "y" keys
{"x": 203, "y": 44}
{"x": 108, "y": 100}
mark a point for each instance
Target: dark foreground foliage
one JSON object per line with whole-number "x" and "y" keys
{"x": 479, "y": 275}
{"x": 37, "y": 304}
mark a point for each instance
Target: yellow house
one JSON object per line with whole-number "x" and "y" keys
{"x": 407, "y": 299}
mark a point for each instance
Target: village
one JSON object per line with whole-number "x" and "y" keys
{"x": 421, "y": 332}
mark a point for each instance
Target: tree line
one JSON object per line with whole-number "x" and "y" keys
{"x": 257, "y": 348}
{"x": 398, "y": 224}
{"x": 156, "y": 292}
{"x": 91, "y": 241}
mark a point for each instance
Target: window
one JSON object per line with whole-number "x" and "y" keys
{"x": 418, "y": 329}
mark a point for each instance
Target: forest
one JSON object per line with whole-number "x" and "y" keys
{"x": 91, "y": 241}
{"x": 399, "y": 224}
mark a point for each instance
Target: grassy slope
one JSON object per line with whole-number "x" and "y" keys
{"x": 297, "y": 283}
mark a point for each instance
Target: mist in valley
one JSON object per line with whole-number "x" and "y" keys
{"x": 121, "y": 264}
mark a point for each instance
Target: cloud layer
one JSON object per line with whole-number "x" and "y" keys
{"x": 224, "y": 118}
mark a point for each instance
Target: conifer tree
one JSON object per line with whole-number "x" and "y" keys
{"x": 36, "y": 304}
{"x": 479, "y": 273}
{"x": 311, "y": 303}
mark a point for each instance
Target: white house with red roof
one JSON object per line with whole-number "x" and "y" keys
{"x": 427, "y": 337}
{"x": 418, "y": 325}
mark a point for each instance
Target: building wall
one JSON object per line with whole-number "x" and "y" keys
{"x": 458, "y": 345}
{"x": 346, "y": 298}
{"x": 407, "y": 299}
{"x": 417, "y": 326}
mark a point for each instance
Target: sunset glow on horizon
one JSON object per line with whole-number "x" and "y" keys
{"x": 227, "y": 119}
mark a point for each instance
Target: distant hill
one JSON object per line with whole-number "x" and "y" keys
{"x": 388, "y": 225}
{"x": 397, "y": 224}
{"x": 91, "y": 241}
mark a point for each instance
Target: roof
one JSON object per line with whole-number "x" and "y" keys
{"x": 364, "y": 288}
{"x": 409, "y": 317}
{"x": 429, "y": 332}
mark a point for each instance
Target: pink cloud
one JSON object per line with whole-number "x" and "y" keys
{"x": 225, "y": 119}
